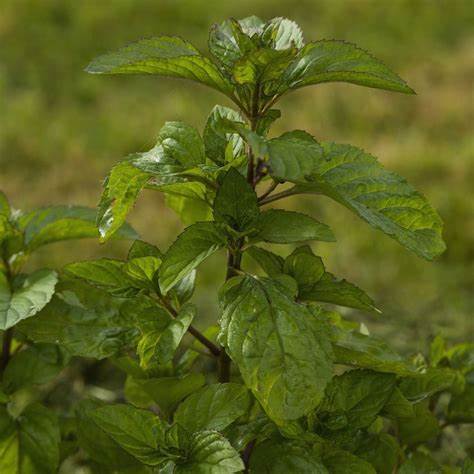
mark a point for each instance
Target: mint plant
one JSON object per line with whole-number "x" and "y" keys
{"x": 280, "y": 382}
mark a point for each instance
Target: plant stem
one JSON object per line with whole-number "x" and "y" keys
{"x": 7, "y": 342}
{"x": 268, "y": 191}
{"x": 275, "y": 197}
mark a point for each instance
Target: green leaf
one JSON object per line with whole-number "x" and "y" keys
{"x": 282, "y": 33}
{"x": 29, "y": 445}
{"x": 271, "y": 263}
{"x": 338, "y": 461}
{"x": 356, "y": 180}
{"x": 279, "y": 226}
{"x": 4, "y": 205}
{"x": 382, "y": 451}
{"x": 162, "y": 333}
{"x": 167, "y": 392}
{"x": 143, "y": 270}
{"x": 84, "y": 320}
{"x": 283, "y": 354}
{"x": 52, "y": 224}
{"x": 305, "y": 267}
{"x": 398, "y": 406}
{"x": 284, "y": 457}
{"x": 35, "y": 365}
{"x": 213, "y": 407}
{"x": 355, "y": 398}
{"x": 420, "y": 463}
{"x": 468, "y": 466}
{"x": 139, "y": 248}
{"x": 121, "y": 189}
{"x": 422, "y": 427}
{"x": 139, "y": 432}
{"x": 99, "y": 446}
{"x": 338, "y": 61}
{"x": 35, "y": 292}
{"x": 222, "y": 147}
{"x": 236, "y": 202}
{"x": 166, "y": 56}
{"x": 461, "y": 406}
{"x": 192, "y": 246}
{"x": 208, "y": 452}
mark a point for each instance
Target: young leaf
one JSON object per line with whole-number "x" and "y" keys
{"x": 142, "y": 270}
{"x": 121, "y": 189}
{"x": 192, "y": 246}
{"x": 31, "y": 444}
{"x": 213, "y": 407}
{"x": 236, "y": 202}
{"x": 284, "y": 457}
{"x": 282, "y": 33}
{"x": 356, "y": 180}
{"x": 271, "y": 263}
{"x": 222, "y": 147}
{"x": 208, "y": 452}
{"x": 36, "y": 365}
{"x": 283, "y": 357}
{"x": 139, "y": 248}
{"x": 279, "y": 226}
{"x": 161, "y": 333}
{"x": 338, "y": 61}
{"x": 139, "y": 432}
{"x": 165, "y": 56}
{"x": 35, "y": 292}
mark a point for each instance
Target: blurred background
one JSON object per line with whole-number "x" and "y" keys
{"x": 62, "y": 129}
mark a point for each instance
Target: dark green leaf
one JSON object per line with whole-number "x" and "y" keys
{"x": 284, "y": 457}
{"x": 279, "y": 226}
{"x": 35, "y": 292}
{"x": 422, "y": 427}
{"x": 338, "y": 61}
{"x": 166, "y": 56}
{"x": 420, "y": 463}
{"x": 398, "y": 406}
{"x": 213, "y": 407}
{"x": 338, "y": 461}
{"x": 194, "y": 245}
{"x": 283, "y": 357}
{"x": 142, "y": 270}
{"x": 382, "y": 451}
{"x": 461, "y": 406}
{"x": 36, "y": 365}
{"x": 271, "y": 263}
{"x": 305, "y": 267}
{"x": 139, "y": 248}
{"x": 236, "y": 202}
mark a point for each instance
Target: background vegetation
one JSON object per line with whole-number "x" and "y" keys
{"x": 62, "y": 129}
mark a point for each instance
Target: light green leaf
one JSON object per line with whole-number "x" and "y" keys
{"x": 354, "y": 399}
{"x": 139, "y": 248}
{"x": 338, "y": 61}
{"x": 281, "y": 33}
{"x": 36, "y": 365}
{"x": 29, "y": 445}
{"x": 4, "y": 205}
{"x": 356, "y": 180}
{"x": 279, "y": 226}
{"x": 222, "y": 147}
{"x": 121, "y": 189}
{"x": 35, "y": 292}
{"x": 162, "y": 333}
{"x": 139, "y": 432}
{"x": 305, "y": 267}
{"x": 52, "y": 224}
{"x": 422, "y": 427}
{"x": 271, "y": 263}
{"x": 142, "y": 269}
{"x": 282, "y": 353}
{"x": 192, "y": 246}
{"x": 338, "y": 461}
{"x": 208, "y": 452}
{"x": 213, "y": 407}
{"x": 166, "y": 56}
{"x": 84, "y": 320}
{"x": 236, "y": 202}
{"x": 99, "y": 446}
{"x": 284, "y": 457}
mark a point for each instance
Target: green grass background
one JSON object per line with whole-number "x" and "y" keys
{"x": 62, "y": 129}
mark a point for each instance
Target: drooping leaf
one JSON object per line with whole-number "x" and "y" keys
{"x": 35, "y": 292}
{"x": 271, "y": 263}
{"x": 52, "y": 224}
{"x": 338, "y": 61}
{"x": 236, "y": 202}
{"x": 161, "y": 333}
{"x": 194, "y": 245}
{"x": 166, "y": 56}
{"x": 31, "y": 443}
{"x": 282, "y": 457}
{"x": 84, "y": 320}
{"x": 279, "y": 226}
{"x": 222, "y": 147}
{"x": 139, "y": 432}
{"x": 213, "y": 407}
{"x": 121, "y": 189}
{"x": 38, "y": 364}
{"x": 354, "y": 399}
{"x": 283, "y": 357}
